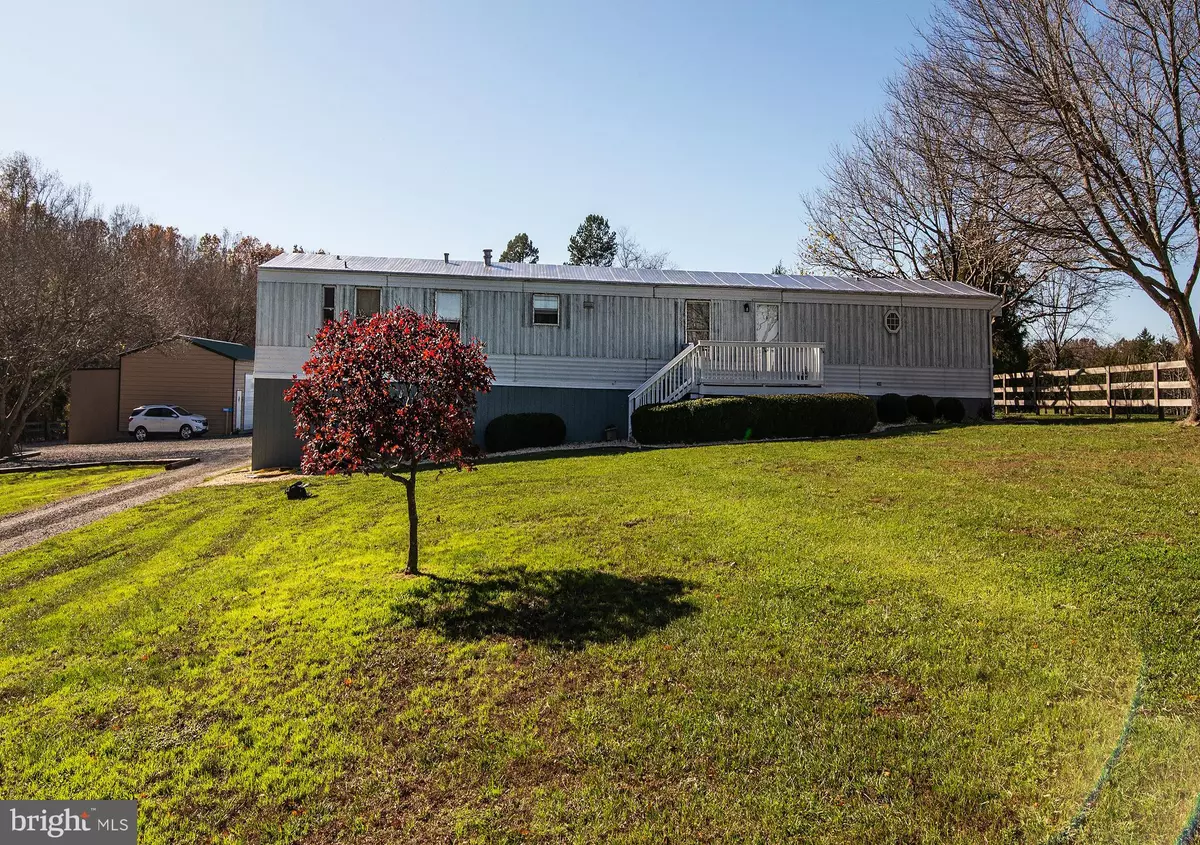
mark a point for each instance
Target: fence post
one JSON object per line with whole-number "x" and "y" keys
{"x": 1004, "y": 392}
{"x": 1070, "y": 400}
{"x": 1157, "y": 392}
{"x": 1037, "y": 401}
{"x": 1112, "y": 410}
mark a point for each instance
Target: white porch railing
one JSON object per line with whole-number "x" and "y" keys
{"x": 731, "y": 364}
{"x": 751, "y": 362}
{"x": 674, "y": 381}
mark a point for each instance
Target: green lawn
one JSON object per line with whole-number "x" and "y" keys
{"x": 929, "y": 638}
{"x": 20, "y": 491}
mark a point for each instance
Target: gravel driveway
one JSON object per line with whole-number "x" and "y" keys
{"x": 207, "y": 449}
{"x": 21, "y": 530}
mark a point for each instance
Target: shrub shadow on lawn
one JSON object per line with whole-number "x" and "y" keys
{"x": 1065, "y": 419}
{"x": 561, "y": 608}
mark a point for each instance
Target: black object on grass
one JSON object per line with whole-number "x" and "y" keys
{"x": 299, "y": 490}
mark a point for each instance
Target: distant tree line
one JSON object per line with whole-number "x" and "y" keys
{"x": 1043, "y": 150}
{"x": 79, "y": 287}
{"x": 1083, "y": 352}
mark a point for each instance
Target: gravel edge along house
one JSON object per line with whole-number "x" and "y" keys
{"x": 591, "y": 344}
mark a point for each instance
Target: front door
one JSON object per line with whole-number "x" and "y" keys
{"x": 766, "y": 330}
{"x": 766, "y": 322}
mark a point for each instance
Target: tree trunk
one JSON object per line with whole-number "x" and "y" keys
{"x": 410, "y": 487}
{"x": 1191, "y": 357}
{"x": 10, "y": 437}
{"x": 1180, "y": 311}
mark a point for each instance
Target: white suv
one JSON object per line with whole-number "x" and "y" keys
{"x": 165, "y": 419}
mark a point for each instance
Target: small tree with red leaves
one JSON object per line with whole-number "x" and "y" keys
{"x": 384, "y": 394}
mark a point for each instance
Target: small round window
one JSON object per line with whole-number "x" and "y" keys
{"x": 891, "y": 320}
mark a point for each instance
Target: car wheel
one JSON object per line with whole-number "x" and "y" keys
{"x": 185, "y": 433}
{"x": 140, "y": 434}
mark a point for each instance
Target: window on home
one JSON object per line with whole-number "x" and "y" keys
{"x": 697, "y": 320}
{"x": 448, "y": 307}
{"x": 545, "y": 309}
{"x": 366, "y": 301}
{"x": 327, "y": 304}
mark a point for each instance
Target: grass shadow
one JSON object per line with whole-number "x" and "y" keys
{"x": 1069, "y": 420}
{"x": 561, "y": 608}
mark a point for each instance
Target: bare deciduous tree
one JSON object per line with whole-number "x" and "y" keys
{"x": 902, "y": 202}
{"x": 204, "y": 286}
{"x": 78, "y": 289}
{"x": 1068, "y": 305}
{"x": 1090, "y": 114}
{"x": 62, "y": 288}
{"x": 631, "y": 254}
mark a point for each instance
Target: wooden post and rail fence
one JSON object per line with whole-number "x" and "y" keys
{"x": 1155, "y": 387}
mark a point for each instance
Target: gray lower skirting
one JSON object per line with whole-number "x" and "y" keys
{"x": 275, "y": 443}
{"x": 587, "y": 414}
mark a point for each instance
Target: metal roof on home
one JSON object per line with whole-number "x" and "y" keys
{"x": 457, "y": 268}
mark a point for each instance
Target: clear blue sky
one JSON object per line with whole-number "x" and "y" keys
{"x": 414, "y": 129}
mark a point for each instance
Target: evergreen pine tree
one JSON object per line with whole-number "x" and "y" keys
{"x": 594, "y": 243}
{"x": 520, "y": 250}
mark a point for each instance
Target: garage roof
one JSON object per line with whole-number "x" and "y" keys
{"x": 236, "y": 351}
{"x": 617, "y": 275}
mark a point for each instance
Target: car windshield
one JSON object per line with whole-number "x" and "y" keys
{"x": 181, "y": 411}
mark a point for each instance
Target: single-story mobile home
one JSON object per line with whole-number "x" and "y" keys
{"x": 593, "y": 343}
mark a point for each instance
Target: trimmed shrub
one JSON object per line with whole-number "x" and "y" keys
{"x": 754, "y": 418}
{"x": 892, "y": 408}
{"x": 951, "y": 409}
{"x": 524, "y": 431}
{"x": 922, "y": 407}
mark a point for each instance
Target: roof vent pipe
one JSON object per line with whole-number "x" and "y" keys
{"x": 446, "y": 257}
{"x": 487, "y": 257}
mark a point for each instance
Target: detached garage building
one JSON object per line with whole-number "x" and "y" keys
{"x": 207, "y": 377}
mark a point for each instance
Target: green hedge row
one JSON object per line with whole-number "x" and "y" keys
{"x": 524, "y": 431}
{"x": 951, "y": 409}
{"x": 894, "y": 408}
{"x": 754, "y": 418}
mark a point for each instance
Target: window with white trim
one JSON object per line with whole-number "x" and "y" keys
{"x": 447, "y": 305}
{"x": 891, "y": 321}
{"x": 697, "y": 320}
{"x": 366, "y": 301}
{"x": 545, "y": 309}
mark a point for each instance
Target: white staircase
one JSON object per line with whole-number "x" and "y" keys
{"x": 740, "y": 364}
